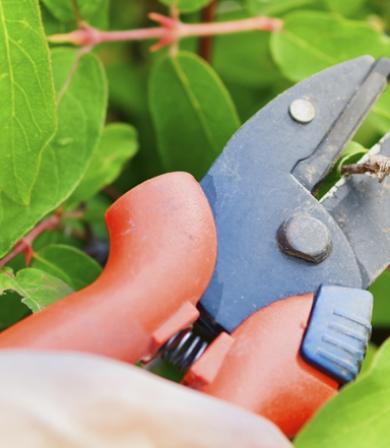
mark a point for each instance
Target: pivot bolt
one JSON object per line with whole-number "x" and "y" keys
{"x": 302, "y": 110}
{"x": 306, "y": 237}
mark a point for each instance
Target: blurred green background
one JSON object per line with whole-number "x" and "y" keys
{"x": 241, "y": 73}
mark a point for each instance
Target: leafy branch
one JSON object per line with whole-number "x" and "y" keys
{"x": 170, "y": 32}
{"x": 24, "y": 245}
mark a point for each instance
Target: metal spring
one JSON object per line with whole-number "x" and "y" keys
{"x": 183, "y": 349}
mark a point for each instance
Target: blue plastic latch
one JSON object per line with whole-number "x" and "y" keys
{"x": 338, "y": 332}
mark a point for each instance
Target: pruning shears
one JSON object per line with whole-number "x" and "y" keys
{"x": 250, "y": 284}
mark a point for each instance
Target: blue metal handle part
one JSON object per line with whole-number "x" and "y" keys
{"x": 338, "y": 331}
{"x": 263, "y": 179}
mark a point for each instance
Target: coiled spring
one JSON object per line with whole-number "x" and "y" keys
{"x": 183, "y": 349}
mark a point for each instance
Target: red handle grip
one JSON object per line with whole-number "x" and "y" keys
{"x": 259, "y": 366}
{"x": 162, "y": 255}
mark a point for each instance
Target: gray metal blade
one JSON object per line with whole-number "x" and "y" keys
{"x": 361, "y": 206}
{"x": 311, "y": 170}
{"x": 252, "y": 192}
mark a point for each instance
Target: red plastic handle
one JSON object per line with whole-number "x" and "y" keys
{"x": 163, "y": 250}
{"x": 259, "y": 366}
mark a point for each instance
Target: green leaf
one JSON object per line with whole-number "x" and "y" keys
{"x": 345, "y": 7}
{"x": 186, "y": 5}
{"x": 27, "y": 112}
{"x": 53, "y": 25}
{"x": 37, "y": 288}
{"x": 369, "y": 358}
{"x": 192, "y": 112}
{"x": 117, "y": 146}
{"x": 248, "y": 100}
{"x": 245, "y": 58}
{"x": 64, "y": 10}
{"x": 358, "y": 416}
{"x": 380, "y": 115}
{"x": 128, "y": 82}
{"x": 81, "y": 95}
{"x": 12, "y": 309}
{"x": 67, "y": 263}
{"x": 381, "y": 292}
{"x": 127, "y": 86}
{"x": 166, "y": 370}
{"x": 126, "y": 15}
{"x": 275, "y": 7}
{"x": 95, "y": 211}
{"x": 311, "y": 41}
{"x": 352, "y": 153}
{"x": 40, "y": 289}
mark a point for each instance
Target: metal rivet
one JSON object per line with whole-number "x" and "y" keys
{"x": 302, "y": 110}
{"x": 306, "y": 237}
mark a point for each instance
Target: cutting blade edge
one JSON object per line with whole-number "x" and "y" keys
{"x": 360, "y": 204}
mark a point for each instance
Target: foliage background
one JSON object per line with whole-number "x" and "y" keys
{"x": 80, "y": 128}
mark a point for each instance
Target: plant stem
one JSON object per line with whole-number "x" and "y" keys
{"x": 170, "y": 31}
{"x": 25, "y": 244}
{"x": 206, "y": 43}
{"x": 377, "y": 165}
{"x": 76, "y": 11}
{"x": 234, "y": 26}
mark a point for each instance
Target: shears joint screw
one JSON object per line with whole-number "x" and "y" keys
{"x": 306, "y": 237}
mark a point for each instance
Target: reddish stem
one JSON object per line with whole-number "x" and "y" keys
{"x": 25, "y": 244}
{"x": 233, "y": 26}
{"x": 89, "y": 36}
{"x": 171, "y": 31}
{"x": 50, "y": 223}
{"x": 112, "y": 192}
{"x": 206, "y": 43}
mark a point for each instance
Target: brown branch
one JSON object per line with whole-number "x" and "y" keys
{"x": 25, "y": 244}
{"x": 206, "y": 43}
{"x": 169, "y": 33}
{"x": 111, "y": 191}
{"x": 378, "y": 165}
{"x": 76, "y": 11}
